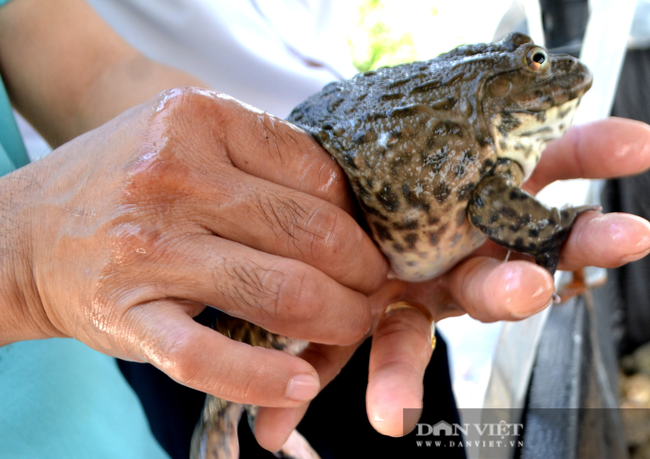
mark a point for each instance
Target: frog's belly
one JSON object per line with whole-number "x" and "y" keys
{"x": 430, "y": 254}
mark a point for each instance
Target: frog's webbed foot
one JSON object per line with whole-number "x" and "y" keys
{"x": 513, "y": 218}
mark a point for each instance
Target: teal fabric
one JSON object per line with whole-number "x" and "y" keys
{"x": 13, "y": 148}
{"x": 6, "y": 165}
{"x": 59, "y": 399}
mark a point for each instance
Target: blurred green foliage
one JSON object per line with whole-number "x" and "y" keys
{"x": 376, "y": 41}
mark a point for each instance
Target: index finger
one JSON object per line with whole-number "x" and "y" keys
{"x": 608, "y": 148}
{"x": 273, "y": 149}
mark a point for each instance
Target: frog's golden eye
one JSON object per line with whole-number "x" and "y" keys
{"x": 537, "y": 59}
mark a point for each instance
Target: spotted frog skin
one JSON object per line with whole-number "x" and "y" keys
{"x": 435, "y": 151}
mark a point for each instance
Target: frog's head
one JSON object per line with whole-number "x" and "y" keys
{"x": 516, "y": 94}
{"x": 529, "y": 98}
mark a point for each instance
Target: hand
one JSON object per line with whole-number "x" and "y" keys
{"x": 483, "y": 286}
{"x": 119, "y": 237}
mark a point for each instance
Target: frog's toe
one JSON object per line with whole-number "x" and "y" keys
{"x": 548, "y": 247}
{"x": 549, "y": 260}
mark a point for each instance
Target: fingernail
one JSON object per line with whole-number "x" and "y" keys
{"x": 303, "y": 388}
{"x": 636, "y": 256}
{"x": 529, "y": 304}
{"x": 640, "y": 235}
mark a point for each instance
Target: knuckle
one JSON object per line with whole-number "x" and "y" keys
{"x": 295, "y": 294}
{"x": 332, "y": 182}
{"x": 191, "y": 116}
{"x": 184, "y": 100}
{"x": 174, "y": 355}
{"x": 228, "y": 377}
{"x": 333, "y": 234}
{"x": 356, "y": 334}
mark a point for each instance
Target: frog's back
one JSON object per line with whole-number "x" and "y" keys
{"x": 402, "y": 137}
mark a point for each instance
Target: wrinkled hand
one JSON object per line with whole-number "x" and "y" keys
{"x": 121, "y": 236}
{"x": 483, "y": 285}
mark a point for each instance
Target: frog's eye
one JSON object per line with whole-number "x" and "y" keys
{"x": 537, "y": 59}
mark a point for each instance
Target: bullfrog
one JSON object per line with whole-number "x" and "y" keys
{"x": 435, "y": 153}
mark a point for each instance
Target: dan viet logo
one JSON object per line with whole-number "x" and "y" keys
{"x": 478, "y": 435}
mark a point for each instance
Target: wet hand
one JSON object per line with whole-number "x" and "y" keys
{"x": 121, "y": 236}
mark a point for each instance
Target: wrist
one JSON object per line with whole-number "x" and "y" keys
{"x": 22, "y": 316}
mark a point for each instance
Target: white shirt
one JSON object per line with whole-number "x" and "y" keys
{"x": 271, "y": 54}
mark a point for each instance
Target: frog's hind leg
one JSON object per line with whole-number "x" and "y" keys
{"x": 215, "y": 435}
{"x": 515, "y": 219}
{"x": 296, "y": 446}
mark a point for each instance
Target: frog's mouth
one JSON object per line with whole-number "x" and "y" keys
{"x": 522, "y": 135}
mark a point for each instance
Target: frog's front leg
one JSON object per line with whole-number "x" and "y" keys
{"x": 515, "y": 219}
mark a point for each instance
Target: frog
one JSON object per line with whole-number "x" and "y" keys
{"x": 435, "y": 152}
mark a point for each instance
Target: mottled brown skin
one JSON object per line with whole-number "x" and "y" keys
{"x": 416, "y": 139}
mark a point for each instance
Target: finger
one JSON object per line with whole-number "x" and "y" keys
{"x": 401, "y": 349}
{"x": 281, "y": 295}
{"x": 289, "y": 156}
{"x": 605, "y": 240}
{"x": 485, "y": 288}
{"x": 274, "y": 425}
{"x": 163, "y": 334}
{"x": 262, "y": 145}
{"x": 283, "y": 222}
{"x": 490, "y": 290}
{"x": 609, "y": 148}
{"x": 596, "y": 239}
